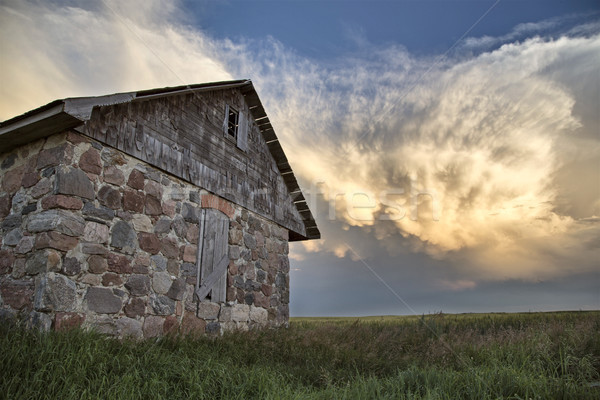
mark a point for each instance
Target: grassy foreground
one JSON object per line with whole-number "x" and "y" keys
{"x": 485, "y": 356}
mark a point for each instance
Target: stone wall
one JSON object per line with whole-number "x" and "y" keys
{"x": 93, "y": 237}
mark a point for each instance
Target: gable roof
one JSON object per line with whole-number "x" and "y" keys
{"x": 70, "y": 113}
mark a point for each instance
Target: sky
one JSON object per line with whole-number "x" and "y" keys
{"x": 450, "y": 151}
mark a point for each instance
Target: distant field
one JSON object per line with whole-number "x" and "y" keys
{"x": 439, "y": 356}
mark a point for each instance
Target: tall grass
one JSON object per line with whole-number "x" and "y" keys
{"x": 487, "y": 356}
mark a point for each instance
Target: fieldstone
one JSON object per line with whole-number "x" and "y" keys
{"x": 238, "y": 282}
{"x": 5, "y": 205}
{"x": 190, "y": 213}
{"x": 133, "y": 201}
{"x": 169, "y": 247}
{"x": 39, "y": 321}
{"x": 102, "y": 300}
{"x": 177, "y": 289}
{"x": 123, "y": 237}
{"x": 97, "y": 264}
{"x": 48, "y": 172}
{"x": 162, "y": 305}
{"x": 119, "y": 263}
{"x": 169, "y": 208}
{"x": 141, "y": 223}
{"x": 106, "y": 325}
{"x": 136, "y": 180}
{"x": 109, "y": 197}
{"x": 57, "y": 220}
{"x": 55, "y": 292}
{"x": 152, "y": 206}
{"x": 43, "y": 261}
{"x": 153, "y": 189}
{"x": 163, "y": 225}
{"x": 18, "y": 202}
{"x": 208, "y": 310}
{"x": 129, "y": 327}
{"x": 173, "y": 267}
{"x": 71, "y": 266}
{"x": 161, "y": 282}
{"x": 6, "y": 260}
{"x": 90, "y": 162}
{"x": 149, "y": 242}
{"x": 258, "y": 314}
{"x": 95, "y": 232}
{"x": 189, "y": 253}
{"x": 158, "y": 262}
{"x": 111, "y": 279}
{"x": 171, "y": 325}
{"x": 179, "y": 226}
{"x": 91, "y": 279}
{"x": 74, "y": 182}
{"x": 18, "y": 268}
{"x": 192, "y": 325}
{"x": 153, "y": 326}
{"x": 261, "y": 276}
{"x": 138, "y": 285}
{"x": 29, "y": 208}
{"x": 189, "y": 269}
{"x": 13, "y": 237}
{"x": 240, "y": 312}
{"x": 9, "y": 161}
{"x": 213, "y": 328}
{"x": 260, "y": 300}
{"x": 93, "y": 248}
{"x": 192, "y": 234}
{"x": 30, "y": 179}
{"x": 17, "y": 294}
{"x": 235, "y": 236}
{"x": 154, "y": 175}
{"x": 249, "y": 298}
{"x": 89, "y": 209}
{"x": 281, "y": 281}
{"x": 25, "y": 245}
{"x": 55, "y": 240}
{"x": 41, "y": 188}
{"x": 234, "y": 252}
{"x": 11, "y": 182}
{"x": 64, "y": 321}
{"x": 113, "y": 175}
{"x": 135, "y": 308}
{"x": 11, "y": 222}
{"x": 51, "y": 157}
{"x": 62, "y": 201}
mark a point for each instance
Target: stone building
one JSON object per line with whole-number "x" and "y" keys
{"x": 145, "y": 213}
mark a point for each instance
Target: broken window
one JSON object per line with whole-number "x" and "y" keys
{"x": 235, "y": 126}
{"x": 232, "y": 122}
{"x": 213, "y": 255}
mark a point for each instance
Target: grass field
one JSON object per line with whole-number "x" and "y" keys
{"x": 469, "y": 356}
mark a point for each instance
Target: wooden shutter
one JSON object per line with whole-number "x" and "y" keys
{"x": 226, "y": 120}
{"x": 242, "y": 134}
{"x": 213, "y": 255}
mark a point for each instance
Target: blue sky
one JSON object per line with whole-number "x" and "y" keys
{"x": 330, "y": 29}
{"x": 450, "y": 150}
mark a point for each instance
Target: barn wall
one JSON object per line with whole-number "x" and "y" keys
{"x": 94, "y": 237}
{"x": 183, "y": 134}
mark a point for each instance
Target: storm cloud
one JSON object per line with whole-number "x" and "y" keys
{"x": 475, "y": 167}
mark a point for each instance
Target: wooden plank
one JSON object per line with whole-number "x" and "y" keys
{"x": 242, "y": 134}
{"x": 212, "y": 281}
{"x": 200, "y": 247}
{"x": 215, "y": 246}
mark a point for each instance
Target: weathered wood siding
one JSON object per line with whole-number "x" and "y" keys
{"x": 183, "y": 135}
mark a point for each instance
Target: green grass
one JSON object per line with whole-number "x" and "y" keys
{"x": 470, "y": 356}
